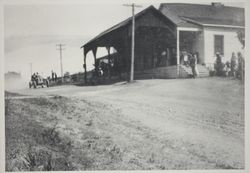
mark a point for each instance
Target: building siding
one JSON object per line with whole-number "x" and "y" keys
{"x": 231, "y": 43}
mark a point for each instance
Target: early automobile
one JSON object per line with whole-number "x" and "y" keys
{"x": 38, "y": 81}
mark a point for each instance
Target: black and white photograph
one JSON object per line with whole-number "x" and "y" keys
{"x": 116, "y": 85}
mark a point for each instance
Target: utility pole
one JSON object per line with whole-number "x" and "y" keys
{"x": 132, "y": 40}
{"x": 61, "y": 48}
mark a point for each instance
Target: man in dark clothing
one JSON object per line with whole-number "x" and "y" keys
{"x": 36, "y": 77}
{"x": 33, "y": 77}
{"x": 53, "y": 75}
{"x": 193, "y": 63}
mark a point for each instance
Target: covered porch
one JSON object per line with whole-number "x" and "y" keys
{"x": 190, "y": 40}
{"x": 155, "y": 44}
{"x": 158, "y": 46}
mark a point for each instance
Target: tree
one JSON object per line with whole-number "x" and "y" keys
{"x": 241, "y": 37}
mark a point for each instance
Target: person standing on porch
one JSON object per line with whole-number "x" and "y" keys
{"x": 185, "y": 58}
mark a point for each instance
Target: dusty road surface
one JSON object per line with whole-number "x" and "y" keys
{"x": 150, "y": 124}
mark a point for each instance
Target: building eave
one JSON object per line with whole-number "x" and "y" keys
{"x": 224, "y": 26}
{"x": 212, "y": 25}
{"x": 188, "y": 29}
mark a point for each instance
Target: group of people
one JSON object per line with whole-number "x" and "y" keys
{"x": 35, "y": 77}
{"x": 104, "y": 69}
{"x": 191, "y": 60}
{"x": 234, "y": 67}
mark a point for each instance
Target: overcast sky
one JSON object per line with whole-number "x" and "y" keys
{"x": 32, "y": 32}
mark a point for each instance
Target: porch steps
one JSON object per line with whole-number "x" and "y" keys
{"x": 187, "y": 71}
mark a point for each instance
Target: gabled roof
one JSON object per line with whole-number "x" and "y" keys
{"x": 128, "y": 22}
{"x": 189, "y": 15}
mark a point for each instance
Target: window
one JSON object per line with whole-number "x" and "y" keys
{"x": 219, "y": 44}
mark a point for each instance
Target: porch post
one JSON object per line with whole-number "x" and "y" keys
{"x": 94, "y": 53}
{"x": 178, "y": 52}
{"x": 109, "y": 62}
{"x": 85, "y": 67}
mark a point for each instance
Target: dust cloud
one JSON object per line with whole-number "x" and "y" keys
{"x": 15, "y": 83}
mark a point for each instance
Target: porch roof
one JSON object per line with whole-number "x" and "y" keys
{"x": 106, "y": 38}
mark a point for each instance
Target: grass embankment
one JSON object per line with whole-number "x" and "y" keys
{"x": 35, "y": 139}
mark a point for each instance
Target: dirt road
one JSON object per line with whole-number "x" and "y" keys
{"x": 150, "y": 124}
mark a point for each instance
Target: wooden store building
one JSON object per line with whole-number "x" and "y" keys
{"x": 161, "y": 35}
